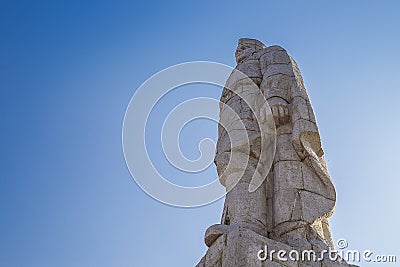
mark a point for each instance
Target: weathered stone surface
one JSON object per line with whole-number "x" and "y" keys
{"x": 285, "y": 151}
{"x": 242, "y": 247}
{"x": 279, "y": 195}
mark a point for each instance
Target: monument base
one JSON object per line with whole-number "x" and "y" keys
{"x": 242, "y": 247}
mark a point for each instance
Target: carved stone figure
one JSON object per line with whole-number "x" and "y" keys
{"x": 290, "y": 206}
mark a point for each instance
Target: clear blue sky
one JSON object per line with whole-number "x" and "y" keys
{"x": 69, "y": 68}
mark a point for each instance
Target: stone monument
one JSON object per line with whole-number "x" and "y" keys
{"x": 286, "y": 207}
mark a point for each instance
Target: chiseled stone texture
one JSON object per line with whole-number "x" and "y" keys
{"x": 290, "y": 207}
{"x": 240, "y": 247}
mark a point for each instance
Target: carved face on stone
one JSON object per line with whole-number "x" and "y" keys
{"x": 243, "y": 51}
{"x": 246, "y": 47}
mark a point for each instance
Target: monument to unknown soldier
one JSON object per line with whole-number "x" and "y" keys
{"x": 282, "y": 197}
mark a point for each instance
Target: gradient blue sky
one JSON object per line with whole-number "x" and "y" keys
{"x": 69, "y": 68}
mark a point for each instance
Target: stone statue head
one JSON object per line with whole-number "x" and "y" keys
{"x": 246, "y": 47}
